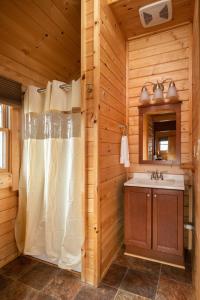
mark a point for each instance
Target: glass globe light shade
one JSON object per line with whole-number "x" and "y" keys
{"x": 158, "y": 91}
{"x": 172, "y": 92}
{"x": 144, "y": 96}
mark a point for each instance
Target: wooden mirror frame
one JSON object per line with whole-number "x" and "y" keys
{"x": 174, "y": 107}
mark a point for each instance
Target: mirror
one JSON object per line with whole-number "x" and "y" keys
{"x": 159, "y": 134}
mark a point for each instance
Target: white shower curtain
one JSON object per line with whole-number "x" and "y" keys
{"x": 49, "y": 221}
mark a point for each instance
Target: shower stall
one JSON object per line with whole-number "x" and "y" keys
{"x": 49, "y": 220}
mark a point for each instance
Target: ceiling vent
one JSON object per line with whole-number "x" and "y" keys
{"x": 156, "y": 13}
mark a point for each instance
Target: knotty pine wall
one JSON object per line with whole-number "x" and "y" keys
{"x": 112, "y": 114}
{"x": 162, "y": 55}
{"x": 166, "y": 54}
{"x": 103, "y": 65}
{"x": 196, "y": 136}
{"x": 8, "y": 210}
{"x": 90, "y": 262}
{"x": 40, "y": 40}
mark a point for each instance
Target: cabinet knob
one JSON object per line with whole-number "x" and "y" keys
{"x": 155, "y": 195}
{"x": 148, "y": 195}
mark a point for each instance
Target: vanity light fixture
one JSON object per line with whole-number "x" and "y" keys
{"x": 158, "y": 89}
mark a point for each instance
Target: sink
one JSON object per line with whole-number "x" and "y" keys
{"x": 170, "y": 181}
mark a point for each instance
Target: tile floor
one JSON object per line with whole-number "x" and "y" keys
{"x": 127, "y": 279}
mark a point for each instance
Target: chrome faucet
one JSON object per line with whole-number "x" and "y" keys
{"x": 156, "y": 175}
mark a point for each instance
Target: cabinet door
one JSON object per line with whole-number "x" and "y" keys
{"x": 138, "y": 217}
{"x": 168, "y": 221}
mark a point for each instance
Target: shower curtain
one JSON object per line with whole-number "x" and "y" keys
{"x": 49, "y": 221}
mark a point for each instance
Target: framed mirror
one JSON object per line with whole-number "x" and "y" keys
{"x": 160, "y": 134}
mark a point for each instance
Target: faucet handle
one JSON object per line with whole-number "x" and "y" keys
{"x": 161, "y": 175}
{"x": 153, "y": 175}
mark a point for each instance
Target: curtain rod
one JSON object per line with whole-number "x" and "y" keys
{"x": 62, "y": 86}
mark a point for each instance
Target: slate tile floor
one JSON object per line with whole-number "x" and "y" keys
{"x": 127, "y": 279}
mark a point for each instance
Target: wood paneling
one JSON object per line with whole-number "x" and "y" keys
{"x": 196, "y": 139}
{"x": 158, "y": 64}
{"x": 15, "y": 146}
{"x": 9, "y": 194}
{"x": 104, "y": 65}
{"x": 89, "y": 75}
{"x": 40, "y": 40}
{"x": 127, "y": 14}
{"x": 112, "y": 114}
{"x": 8, "y": 210}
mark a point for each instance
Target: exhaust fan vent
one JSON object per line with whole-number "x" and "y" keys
{"x": 164, "y": 13}
{"x": 156, "y": 13}
{"x": 147, "y": 18}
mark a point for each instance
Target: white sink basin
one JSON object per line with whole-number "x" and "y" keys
{"x": 170, "y": 181}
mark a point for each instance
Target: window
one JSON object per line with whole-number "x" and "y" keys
{"x": 4, "y": 137}
{"x": 164, "y": 145}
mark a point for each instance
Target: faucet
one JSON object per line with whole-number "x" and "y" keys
{"x": 153, "y": 175}
{"x": 156, "y": 175}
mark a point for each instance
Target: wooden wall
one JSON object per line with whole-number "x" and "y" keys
{"x": 196, "y": 138}
{"x": 8, "y": 210}
{"x": 162, "y": 55}
{"x": 112, "y": 114}
{"x": 105, "y": 110}
{"x": 90, "y": 271}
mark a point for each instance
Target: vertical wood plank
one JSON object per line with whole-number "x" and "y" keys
{"x": 15, "y": 146}
{"x": 112, "y": 114}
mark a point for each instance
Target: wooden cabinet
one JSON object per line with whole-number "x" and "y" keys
{"x": 168, "y": 221}
{"x": 154, "y": 224}
{"x": 138, "y": 217}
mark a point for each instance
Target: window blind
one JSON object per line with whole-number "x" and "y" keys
{"x": 10, "y": 92}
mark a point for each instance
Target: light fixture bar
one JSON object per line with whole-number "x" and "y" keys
{"x": 158, "y": 89}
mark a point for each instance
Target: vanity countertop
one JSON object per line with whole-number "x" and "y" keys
{"x": 170, "y": 181}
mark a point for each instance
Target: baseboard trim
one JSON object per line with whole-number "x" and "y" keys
{"x": 154, "y": 260}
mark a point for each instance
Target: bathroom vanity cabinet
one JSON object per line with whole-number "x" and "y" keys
{"x": 154, "y": 224}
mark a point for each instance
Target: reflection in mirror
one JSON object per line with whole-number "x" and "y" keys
{"x": 159, "y": 136}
